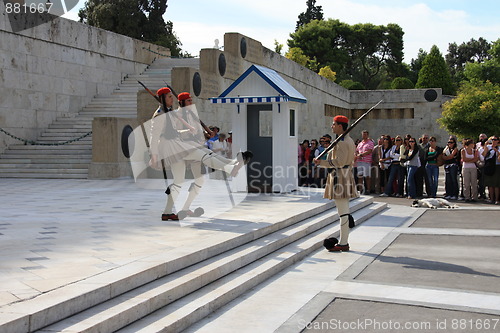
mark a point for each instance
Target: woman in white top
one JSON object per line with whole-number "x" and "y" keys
{"x": 469, "y": 170}
{"x": 396, "y": 170}
{"x": 412, "y": 164}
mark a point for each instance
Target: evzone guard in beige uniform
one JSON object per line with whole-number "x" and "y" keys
{"x": 340, "y": 184}
{"x": 177, "y": 140}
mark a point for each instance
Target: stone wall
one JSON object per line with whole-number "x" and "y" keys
{"x": 402, "y": 112}
{"x": 405, "y": 111}
{"x": 55, "y": 68}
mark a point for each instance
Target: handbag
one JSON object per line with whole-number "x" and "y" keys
{"x": 490, "y": 165}
{"x": 440, "y": 160}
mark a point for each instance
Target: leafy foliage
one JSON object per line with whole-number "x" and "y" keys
{"x": 327, "y": 72}
{"x": 402, "y": 83}
{"x": 416, "y": 65}
{"x": 351, "y": 85}
{"x": 474, "y": 51}
{"x": 435, "y": 73}
{"x": 278, "y": 47}
{"x": 312, "y": 13}
{"x": 140, "y": 19}
{"x": 297, "y": 55}
{"x": 477, "y": 106}
{"x": 489, "y": 69}
{"x": 361, "y": 52}
{"x": 475, "y": 110}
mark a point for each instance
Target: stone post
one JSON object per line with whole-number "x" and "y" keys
{"x": 108, "y": 160}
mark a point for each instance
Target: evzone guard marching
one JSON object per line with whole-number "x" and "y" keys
{"x": 340, "y": 184}
{"x": 176, "y": 141}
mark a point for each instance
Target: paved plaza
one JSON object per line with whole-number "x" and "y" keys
{"x": 431, "y": 270}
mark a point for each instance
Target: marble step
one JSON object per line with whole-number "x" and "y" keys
{"x": 10, "y": 154}
{"x": 71, "y": 126}
{"x": 124, "y": 309}
{"x": 41, "y": 175}
{"x": 45, "y": 170}
{"x": 180, "y": 315}
{"x": 223, "y": 278}
{"x": 55, "y": 138}
{"x": 42, "y": 148}
{"x": 53, "y": 306}
{"x": 69, "y": 159}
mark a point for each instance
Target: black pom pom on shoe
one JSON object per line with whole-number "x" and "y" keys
{"x": 329, "y": 243}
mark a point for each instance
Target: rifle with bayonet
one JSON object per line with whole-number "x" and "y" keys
{"x": 164, "y": 106}
{"x": 341, "y": 136}
{"x": 205, "y": 127}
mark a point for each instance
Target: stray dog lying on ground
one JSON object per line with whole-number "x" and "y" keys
{"x": 433, "y": 203}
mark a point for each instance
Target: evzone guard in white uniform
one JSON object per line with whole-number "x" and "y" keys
{"x": 177, "y": 140}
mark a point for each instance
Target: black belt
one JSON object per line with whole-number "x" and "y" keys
{"x": 344, "y": 167}
{"x": 334, "y": 174}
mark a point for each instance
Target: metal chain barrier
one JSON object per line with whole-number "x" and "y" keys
{"x": 35, "y": 143}
{"x": 163, "y": 55}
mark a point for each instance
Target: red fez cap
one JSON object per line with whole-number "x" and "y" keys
{"x": 340, "y": 119}
{"x": 183, "y": 96}
{"x": 163, "y": 91}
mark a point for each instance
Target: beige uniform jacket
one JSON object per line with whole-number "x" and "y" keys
{"x": 340, "y": 183}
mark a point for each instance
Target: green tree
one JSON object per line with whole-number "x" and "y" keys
{"x": 278, "y": 47}
{"x": 402, "y": 83}
{"x": 298, "y": 56}
{"x": 140, "y": 19}
{"x": 312, "y": 12}
{"x": 327, "y": 72}
{"x": 475, "y": 110}
{"x": 487, "y": 70}
{"x": 362, "y": 52}
{"x": 416, "y": 65}
{"x": 373, "y": 48}
{"x": 435, "y": 73}
{"x": 473, "y": 51}
{"x": 351, "y": 85}
{"x": 322, "y": 40}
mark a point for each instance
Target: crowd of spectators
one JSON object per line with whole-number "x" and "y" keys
{"x": 219, "y": 143}
{"x": 309, "y": 174}
{"x": 409, "y": 167}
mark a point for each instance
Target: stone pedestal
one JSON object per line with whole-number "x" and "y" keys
{"x": 146, "y": 106}
{"x": 108, "y": 160}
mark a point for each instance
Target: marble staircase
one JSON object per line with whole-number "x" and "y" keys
{"x": 169, "y": 294}
{"x": 51, "y": 159}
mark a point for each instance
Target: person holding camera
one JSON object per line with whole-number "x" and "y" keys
{"x": 480, "y": 146}
{"x": 491, "y": 169}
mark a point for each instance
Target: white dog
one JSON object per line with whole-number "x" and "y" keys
{"x": 433, "y": 203}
